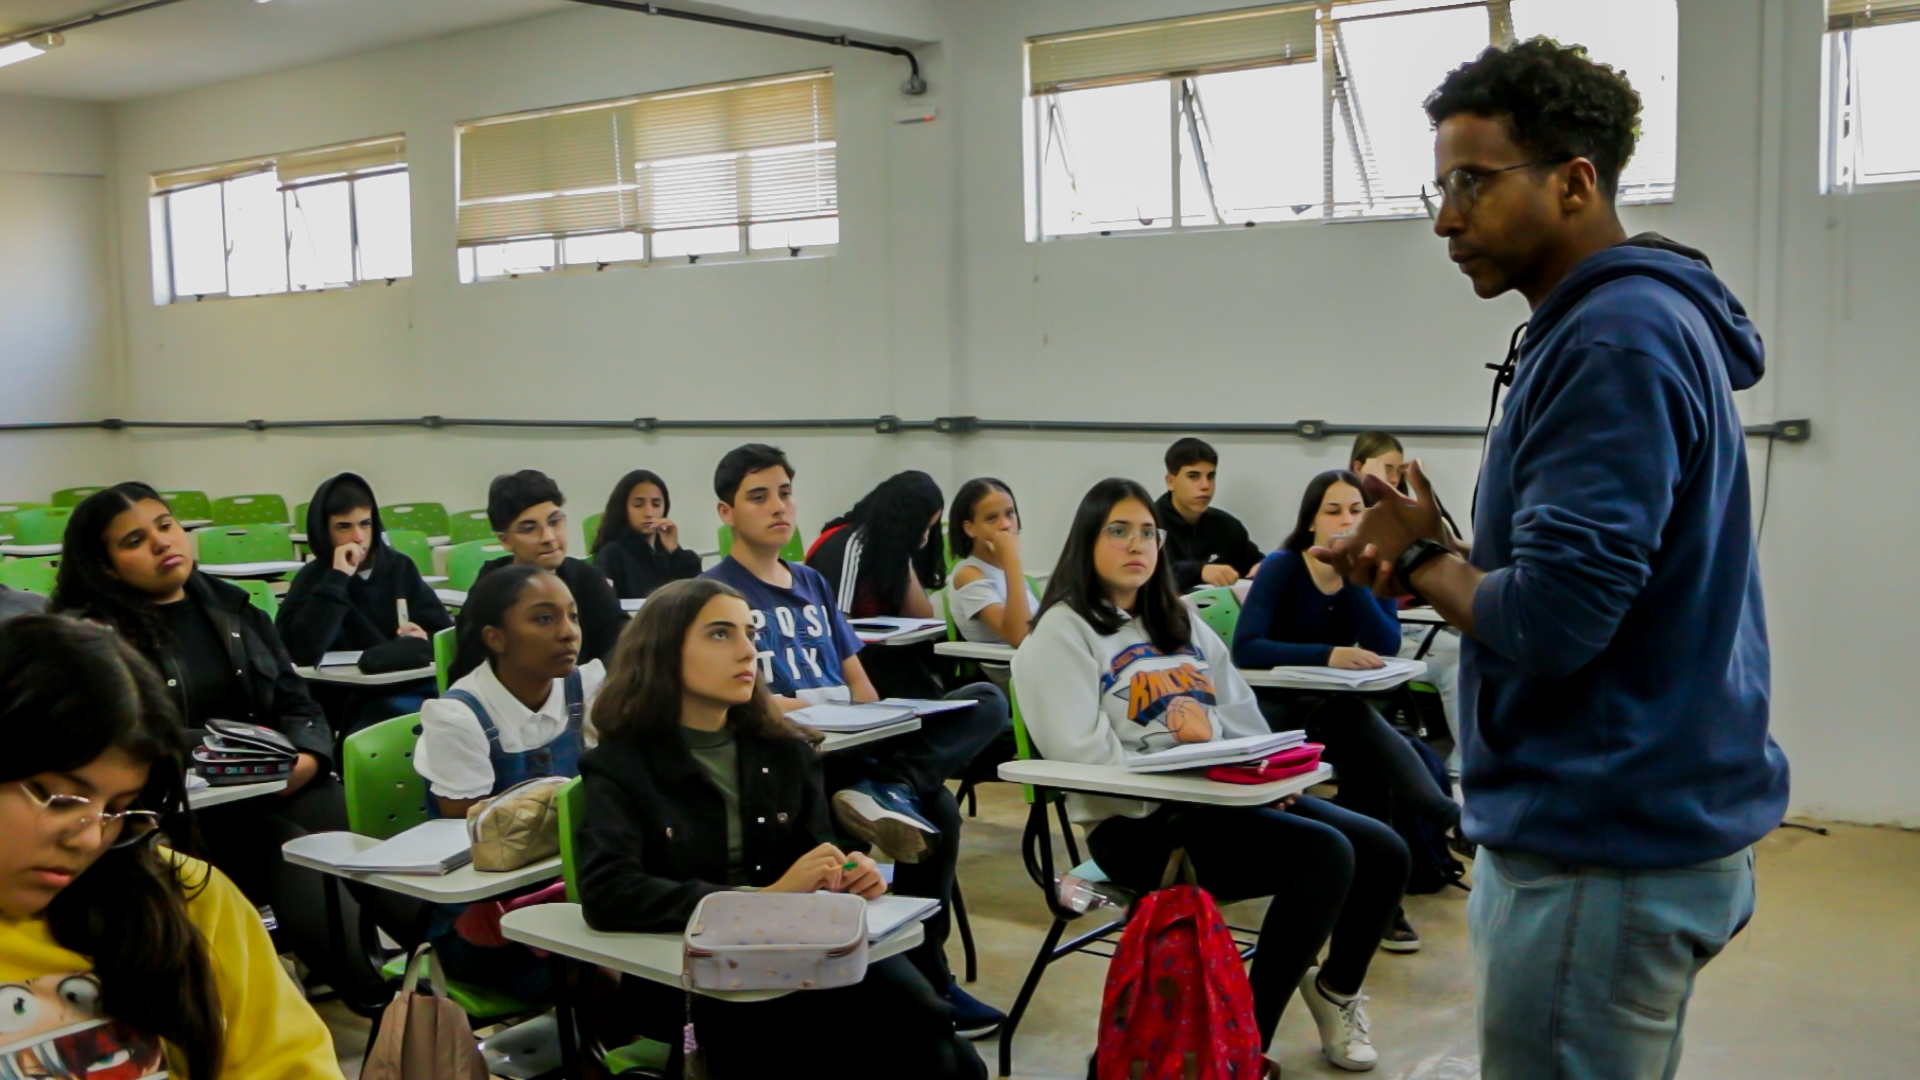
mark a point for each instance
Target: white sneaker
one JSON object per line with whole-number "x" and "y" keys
{"x": 1343, "y": 1028}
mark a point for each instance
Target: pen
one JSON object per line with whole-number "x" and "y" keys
{"x": 851, "y": 866}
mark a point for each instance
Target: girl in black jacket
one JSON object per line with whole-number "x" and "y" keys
{"x": 127, "y": 563}
{"x": 638, "y": 545}
{"x": 699, "y": 784}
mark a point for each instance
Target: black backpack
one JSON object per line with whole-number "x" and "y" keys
{"x": 1434, "y": 867}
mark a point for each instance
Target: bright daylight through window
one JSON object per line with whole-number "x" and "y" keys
{"x": 1872, "y": 91}
{"x": 1297, "y": 112}
{"x": 293, "y": 222}
{"x": 733, "y": 170}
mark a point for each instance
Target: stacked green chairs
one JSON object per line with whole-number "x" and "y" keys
{"x": 445, "y": 644}
{"x": 426, "y": 518}
{"x": 30, "y": 575}
{"x": 250, "y": 510}
{"x": 189, "y": 505}
{"x": 464, "y": 560}
{"x": 261, "y": 594}
{"x": 414, "y": 546}
{"x": 467, "y": 525}
{"x": 74, "y": 496}
{"x": 249, "y": 544}
{"x": 43, "y": 526}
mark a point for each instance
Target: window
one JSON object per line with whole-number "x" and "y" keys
{"x": 1300, "y": 112}
{"x": 733, "y": 170}
{"x": 1872, "y": 131}
{"x": 310, "y": 219}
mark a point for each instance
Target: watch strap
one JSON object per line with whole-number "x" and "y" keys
{"x": 1417, "y": 554}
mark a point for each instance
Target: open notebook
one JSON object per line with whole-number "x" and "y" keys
{"x": 432, "y": 847}
{"x": 851, "y": 717}
{"x": 1218, "y": 752}
{"x": 887, "y": 914}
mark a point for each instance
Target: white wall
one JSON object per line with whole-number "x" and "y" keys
{"x": 935, "y": 304}
{"x": 56, "y": 294}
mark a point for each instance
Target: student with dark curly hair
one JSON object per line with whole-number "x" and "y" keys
{"x": 1617, "y": 765}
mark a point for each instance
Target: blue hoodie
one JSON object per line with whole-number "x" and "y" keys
{"x": 1615, "y": 702}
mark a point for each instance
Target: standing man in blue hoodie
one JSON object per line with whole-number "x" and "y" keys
{"x": 1617, "y": 765}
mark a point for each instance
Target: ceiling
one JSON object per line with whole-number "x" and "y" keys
{"x": 196, "y": 42}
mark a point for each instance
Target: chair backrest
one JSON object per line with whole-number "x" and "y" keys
{"x": 261, "y": 593}
{"x": 30, "y": 575}
{"x": 189, "y": 505}
{"x": 444, "y": 646}
{"x": 465, "y": 525}
{"x": 795, "y": 551}
{"x": 248, "y": 544}
{"x": 8, "y": 523}
{"x": 1022, "y": 744}
{"x": 463, "y": 561}
{"x": 1218, "y": 609}
{"x": 384, "y": 795}
{"x": 74, "y": 496}
{"x": 251, "y": 510}
{"x": 414, "y": 546}
{"x": 590, "y": 529}
{"x": 45, "y": 526}
{"x": 14, "y": 506}
{"x": 573, "y": 804}
{"x": 425, "y": 518}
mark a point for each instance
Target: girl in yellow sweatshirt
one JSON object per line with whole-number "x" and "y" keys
{"x": 119, "y": 958}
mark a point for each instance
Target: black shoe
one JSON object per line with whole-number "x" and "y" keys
{"x": 972, "y": 1018}
{"x": 1401, "y": 936}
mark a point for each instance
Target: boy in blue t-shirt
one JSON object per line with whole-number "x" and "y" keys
{"x": 893, "y": 793}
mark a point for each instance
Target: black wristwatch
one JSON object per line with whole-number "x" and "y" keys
{"x": 1417, "y": 555}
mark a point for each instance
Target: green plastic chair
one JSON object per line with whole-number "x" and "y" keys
{"x": 414, "y": 546}
{"x": 74, "y": 496}
{"x": 425, "y": 518}
{"x": 1218, "y": 609}
{"x": 251, "y": 510}
{"x": 795, "y": 551}
{"x": 384, "y": 795}
{"x": 189, "y": 505}
{"x": 8, "y": 522}
{"x": 30, "y": 575}
{"x": 467, "y": 525}
{"x": 14, "y": 506}
{"x": 444, "y": 646}
{"x": 463, "y": 561}
{"x": 249, "y": 544}
{"x": 261, "y": 593}
{"x": 48, "y": 526}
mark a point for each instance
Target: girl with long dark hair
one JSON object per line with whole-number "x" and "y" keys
{"x": 638, "y": 544}
{"x": 990, "y": 599}
{"x": 1117, "y": 665}
{"x": 881, "y": 556}
{"x": 701, "y": 784}
{"x": 111, "y": 944}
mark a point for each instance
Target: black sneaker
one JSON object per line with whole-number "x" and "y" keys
{"x": 972, "y": 1018}
{"x": 886, "y": 816}
{"x": 1400, "y": 937}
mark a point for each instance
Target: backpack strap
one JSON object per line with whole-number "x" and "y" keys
{"x": 467, "y": 698}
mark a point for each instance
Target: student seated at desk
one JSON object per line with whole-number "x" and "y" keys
{"x": 638, "y": 545}
{"x": 119, "y": 956}
{"x": 1117, "y": 665}
{"x": 1205, "y": 545}
{"x": 348, "y": 599}
{"x": 1300, "y": 612}
{"x": 984, "y": 535}
{"x": 525, "y": 510}
{"x": 127, "y": 563}
{"x": 516, "y": 711}
{"x": 892, "y": 793}
{"x": 880, "y": 558}
{"x": 701, "y": 784}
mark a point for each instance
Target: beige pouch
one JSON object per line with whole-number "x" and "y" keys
{"x": 520, "y": 825}
{"x": 424, "y": 1036}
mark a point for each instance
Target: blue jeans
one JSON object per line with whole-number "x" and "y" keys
{"x": 1583, "y": 973}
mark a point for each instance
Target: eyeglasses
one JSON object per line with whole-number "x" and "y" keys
{"x": 69, "y": 813}
{"x": 1461, "y": 187}
{"x": 1120, "y": 532}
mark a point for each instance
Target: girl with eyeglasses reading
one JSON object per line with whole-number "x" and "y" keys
{"x": 117, "y": 953}
{"x": 1117, "y": 664}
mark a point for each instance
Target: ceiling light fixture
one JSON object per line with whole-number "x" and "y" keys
{"x": 29, "y": 48}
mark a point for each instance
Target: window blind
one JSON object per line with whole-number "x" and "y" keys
{"x": 1860, "y": 14}
{"x": 730, "y": 154}
{"x": 201, "y": 175}
{"x": 347, "y": 159}
{"x": 1196, "y": 45}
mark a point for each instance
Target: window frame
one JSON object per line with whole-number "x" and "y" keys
{"x": 1840, "y": 163}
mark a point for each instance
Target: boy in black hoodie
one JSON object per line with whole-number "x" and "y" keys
{"x": 346, "y": 599}
{"x": 524, "y": 509}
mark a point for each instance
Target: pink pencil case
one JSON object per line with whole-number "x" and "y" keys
{"x": 1277, "y": 766}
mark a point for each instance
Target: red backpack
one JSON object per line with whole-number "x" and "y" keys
{"x": 1177, "y": 1004}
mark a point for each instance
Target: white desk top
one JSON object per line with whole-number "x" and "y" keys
{"x": 321, "y": 851}
{"x": 29, "y": 551}
{"x": 191, "y": 524}
{"x": 913, "y": 637}
{"x": 1425, "y": 616}
{"x": 1185, "y": 787}
{"x": 560, "y": 928}
{"x": 845, "y": 740}
{"x": 201, "y": 798}
{"x": 434, "y": 579}
{"x": 453, "y": 597}
{"x": 1291, "y": 681}
{"x": 297, "y": 537}
{"x": 631, "y": 605}
{"x": 353, "y": 676}
{"x": 976, "y": 650}
{"x": 252, "y": 569}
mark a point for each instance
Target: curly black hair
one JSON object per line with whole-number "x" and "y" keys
{"x": 1558, "y": 101}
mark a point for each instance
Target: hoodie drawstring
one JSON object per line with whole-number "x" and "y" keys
{"x": 1502, "y": 377}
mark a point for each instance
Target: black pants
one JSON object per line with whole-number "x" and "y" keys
{"x": 898, "y": 1023}
{"x": 923, "y": 760}
{"x": 1333, "y": 875}
{"x": 1375, "y": 763}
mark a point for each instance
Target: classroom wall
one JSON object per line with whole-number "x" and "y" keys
{"x": 935, "y": 305}
{"x": 57, "y": 300}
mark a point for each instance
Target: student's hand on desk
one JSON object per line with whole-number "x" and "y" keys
{"x": 1351, "y": 658}
{"x": 817, "y": 869}
{"x": 305, "y": 768}
{"x": 864, "y": 881}
{"x": 413, "y": 630}
{"x": 1219, "y": 574}
{"x": 348, "y": 557}
{"x": 1388, "y": 527}
{"x": 1284, "y": 802}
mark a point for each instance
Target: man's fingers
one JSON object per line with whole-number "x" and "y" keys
{"x": 1417, "y": 480}
{"x": 1379, "y": 491}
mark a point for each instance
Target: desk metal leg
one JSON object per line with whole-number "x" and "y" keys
{"x": 966, "y": 933}
{"x": 563, "y": 1016}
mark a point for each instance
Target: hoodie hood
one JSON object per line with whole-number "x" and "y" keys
{"x": 1684, "y": 269}
{"x": 320, "y": 539}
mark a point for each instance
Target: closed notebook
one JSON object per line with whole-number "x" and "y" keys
{"x": 882, "y": 627}
{"x": 850, "y": 717}
{"x": 888, "y": 915}
{"x": 1218, "y": 752}
{"x": 928, "y": 706}
{"x": 1394, "y": 670}
{"x": 433, "y": 847}
{"x": 339, "y": 659}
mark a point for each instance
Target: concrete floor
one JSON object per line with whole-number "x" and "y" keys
{"x": 1825, "y": 983}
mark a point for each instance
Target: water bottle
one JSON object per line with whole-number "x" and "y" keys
{"x": 1079, "y": 895}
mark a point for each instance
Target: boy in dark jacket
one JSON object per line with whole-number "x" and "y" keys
{"x": 525, "y": 510}
{"x": 1205, "y": 545}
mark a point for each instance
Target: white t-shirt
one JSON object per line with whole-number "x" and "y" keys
{"x": 452, "y": 753}
{"x": 976, "y": 596}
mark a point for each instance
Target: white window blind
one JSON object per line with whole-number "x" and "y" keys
{"x": 728, "y": 156}
{"x": 1860, "y": 14}
{"x": 368, "y": 157}
{"x": 1197, "y": 45}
